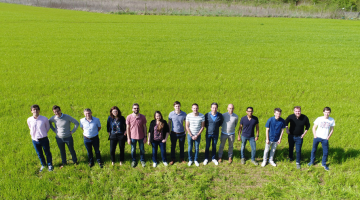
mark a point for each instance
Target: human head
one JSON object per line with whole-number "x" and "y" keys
{"x": 158, "y": 116}
{"x": 297, "y": 111}
{"x": 177, "y": 106}
{"x": 327, "y": 111}
{"x": 195, "y": 108}
{"x": 230, "y": 108}
{"x": 88, "y": 113}
{"x": 277, "y": 113}
{"x": 214, "y": 108}
{"x": 115, "y": 112}
{"x": 135, "y": 108}
{"x": 35, "y": 110}
{"x": 57, "y": 111}
{"x": 249, "y": 111}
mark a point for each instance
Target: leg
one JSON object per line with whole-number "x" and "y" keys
{"x": 122, "y": 142}
{"x": 70, "y": 144}
{"x": 214, "y": 142}
{"x": 243, "y": 144}
{"x": 266, "y": 151}
{"x": 207, "y": 146}
{"x": 253, "y": 147}
{"x": 314, "y": 149}
{"x": 113, "y": 144}
{"x": 46, "y": 146}
{"x": 154, "y": 145}
{"x": 325, "y": 146}
{"x": 61, "y": 144}
{"x": 133, "y": 149}
{"x": 173, "y": 139}
{"x": 197, "y": 145}
{"x": 181, "y": 144}
{"x": 272, "y": 151}
{"x": 39, "y": 152}
{"x": 291, "y": 146}
{"x": 96, "y": 144}
{"x": 222, "y": 144}
{"x": 163, "y": 151}
{"x": 298, "y": 143}
{"x": 190, "y": 146}
{"x": 88, "y": 146}
{"x": 142, "y": 150}
{"x": 231, "y": 145}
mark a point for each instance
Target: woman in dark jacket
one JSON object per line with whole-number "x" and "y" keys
{"x": 158, "y": 134}
{"x": 116, "y": 127}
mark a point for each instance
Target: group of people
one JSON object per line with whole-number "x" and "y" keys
{"x": 180, "y": 126}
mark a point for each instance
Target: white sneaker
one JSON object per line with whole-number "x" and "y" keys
{"x": 206, "y": 161}
{"x": 190, "y": 163}
{"x": 263, "y": 164}
{"x": 272, "y": 163}
{"x": 215, "y": 162}
{"x": 196, "y": 163}
{"x": 41, "y": 168}
{"x": 165, "y": 163}
{"x": 154, "y": 164}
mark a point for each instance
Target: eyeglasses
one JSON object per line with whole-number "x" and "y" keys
{"x": 136, "y": 108}
{"x": 249, "y": 111}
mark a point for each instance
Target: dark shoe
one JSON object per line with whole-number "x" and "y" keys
{"x": 101, "y": 165}
{"x": 171, "y": 162}
{"x": 76, "y": 163}
{"x": 290, "y": 159}
{"x": 91, "y": 164}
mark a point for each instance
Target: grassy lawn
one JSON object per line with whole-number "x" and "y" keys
{"x": 78, "y": 59}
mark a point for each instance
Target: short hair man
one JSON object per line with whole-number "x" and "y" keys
{"x": 228, "y": 131}
{"x": 246, "y": 131}
{"x": 63, "y": 133}
{"x": 91, "y": 127}
{"x": 325, "y": 128}
{"x": 39, "y": 127}
{"x": 195, "y": 123}
{"x": 176, "y": 123}
{"x": 296, "y": 133}
{"x": 213, "y": 121}
{"x": 274, "y": 131}
{"x": 136, "y": 129}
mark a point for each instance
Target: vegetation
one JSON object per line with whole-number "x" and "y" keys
{"x": 79, "y": 59}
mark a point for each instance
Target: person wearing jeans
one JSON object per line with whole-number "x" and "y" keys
{"x": 325, "y": 128}
{"x": 191, "y": 143}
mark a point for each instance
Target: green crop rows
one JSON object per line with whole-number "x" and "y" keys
{"x": 78, "y": 59}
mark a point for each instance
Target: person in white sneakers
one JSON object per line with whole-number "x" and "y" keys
{"x": 274, "y": 131}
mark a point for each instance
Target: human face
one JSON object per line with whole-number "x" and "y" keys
{"x": 249, "y": 112}
{"x": 230, "y": 109}
{"x": 214, "y": 109}
{"x": 115, "y": 112}
{"x": 136, "y": 110}
{"x": 297, "y": 112}
{"x": 57, "y": 112}
{"x": 177, "y": 108}
{"x": 35, "y": 112}
{"x": 157, "y": 117}
{"x": 277, "y": 114}
{"x": 88, "y": 115}
{"x": 195, "y": 109}
{"x": 326, "y": 114}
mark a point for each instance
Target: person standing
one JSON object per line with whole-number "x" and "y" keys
{"x": 246, "y": 131}
{"x": 91, "y": 127}
{"x": 213, "y": 121}
{"x": 176, "y": 123}
{"x": 116, "y": 128}
{"x": 136, "y": 129}
{"x": 63, "y": 133}
{"x": 228, "y": 132}
{"x": 158, "y": 134}
{"x": 325, "y": 128}
{"x": 296, "y": 133}
{"x": 274, "y": 131}
{"x": 195, "y": 123}
{"x": 39, "y": 127}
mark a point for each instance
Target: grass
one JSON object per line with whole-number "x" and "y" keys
{"x": 78, "y": 59}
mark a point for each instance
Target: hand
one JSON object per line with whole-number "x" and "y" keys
{"x": 287, "y": 131}
{"x": 109, "y": 133}
{"x": 71, "y": 132}
{"x": 302, "y": 136}
{"x": 315, "y": 137}
{"x": 163, "y": 141}
{"x": 125, "y": 133}
{"x": 148, "y": 142}
{"x": 144, "y": 139}
{"x": 279, "y": 141}
{"x": 256, "y": 138}
{"x": 239, "y": 139}
{"x": 193, "y": 137}
{"x": 267, "y": 141}
{"x": 129, "y": 142}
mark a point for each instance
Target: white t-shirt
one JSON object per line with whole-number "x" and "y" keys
{"x": 324, "y": 126}
{"x": 195, "y": 122}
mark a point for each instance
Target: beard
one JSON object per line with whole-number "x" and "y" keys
{"x": 136, "y": 112}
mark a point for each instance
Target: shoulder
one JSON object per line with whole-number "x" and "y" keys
{"x": 235, "y": 115}
{"x": 129, "y": 117}
{"x": 82, "y": 120}
{"x": 183, "y": 113}
{"x": 171, "y": 113}
{"x": 202, "y": 115}
{"x": 30, "y": 119}
{"x": 109, "y": 118}
{"x": 43, "y": 118}
{"x": 53, "y": 118}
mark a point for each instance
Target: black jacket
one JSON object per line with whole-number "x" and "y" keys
{"x": 164, "y": 130}
{"x": 110, "y": 128}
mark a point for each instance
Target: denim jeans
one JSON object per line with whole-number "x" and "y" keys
{"x": 325, "y": 147}
{"x": 39, "y": 146}
{"x": 89, "y": 144}
{"x": 174, "y": 137}
{"x": 69, "y": 141}
{"x": 133, "y": 149}
{"x": 252, "y": 145}
{"x": 121, "y": 139}
{"x": 155, "y": 145}
{"x": 213, "y": 140}
{"x": 197, "y": 144}
{"x": 223, "y": 139}
{"x": 273, "y": 146}
{"x": 298, "y": 141}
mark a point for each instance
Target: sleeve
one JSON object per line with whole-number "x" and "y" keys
{"x": 283, "y": 124}
{"x": 28, "y": 123}
{"x": 108, "y": 124}
{"x": 267, "y": 125}
{"x": 333, "y": 123}
{"x": 47, "y": 124}
{"x": 51, "y": 121}
{"x": 202, "y": 118}
{"x": 257, "y": 120}
{"x": 206, "y": 119}
{"x": 316, "y": 122}
{"x": 166, "y": 127}
{"x": 81, "y": 126}
{"x": 187, "y": 118}
{"x": 76, "y": 124}
{"x": 98, "y": 123}
{"x": 145, "y": 120}
{"x": 241, "y": 121}
{"x": 150, "y": 127}
{"x": 170, "y": 116}
{"x": 123, "y": 123}
{"x": 221, "y": 119}
{"x": 307, "y": 125}
{"x": 287, "y": 121}
{"x": 236, "y": 121}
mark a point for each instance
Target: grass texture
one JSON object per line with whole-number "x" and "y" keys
{"x": 78, "y": 59}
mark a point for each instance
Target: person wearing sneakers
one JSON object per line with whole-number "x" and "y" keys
{"x": 195, "y": 123}
{"x": 325, "y": 128}
{"x": 39, "y": 127}
{"x": 158, "y": 134}
{"x": 274, "y": 131}
{"x": 246, "y": 132}
{"x": 228, "y": 132}
{"x": 213, "y": 121}
{"x": 136, "y": 131}
{"x": 176, "y": 123}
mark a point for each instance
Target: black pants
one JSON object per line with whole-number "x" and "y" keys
{"x": 114, "y": 140}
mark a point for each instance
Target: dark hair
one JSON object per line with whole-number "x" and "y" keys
{"x": 115, "y": 108}
{"x": 327, "y": 109}
{"x": 278, "y": 110}
{"x": 176, "y": 103}
{"x": 136, "y": 104}
{"x": 252, "y": 109}
{"x": 195, "y": 104}
{"x": 35, "y": 106}
{"x": 215, "y": 104}
{"x": 297, "y": 107}
{"x": 56, "y": 107}
{"x": 162, "y": 123}
{"x": 87, "y": 110}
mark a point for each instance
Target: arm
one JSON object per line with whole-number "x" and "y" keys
{"x": 166, "y": 130}
{"x": 76, "y": 125}
{"x": 240, "y": 131}
{"x": 47, "y": 125}
{"x": 202, "y": 128}
{"x": 187, "y": 126}
{"x": 257, "y": 132}
{"x": 282, "y": 132}
{"x": 267, "y": 136}
{"x": 51, "y": 125}
{"x": 108, "y": 124}
{"x": 166, "y": 137}
{"x": 307, "y": 126}
{"x": 331, "y": 132}
{"x": 144, "y": 127}
{"x": 128, "y": 133}
{"x": 286, "y": 125}
{"x": 169, "y": 123}
{"x": 314, "y": 130}
{"x": 148, "y": 141}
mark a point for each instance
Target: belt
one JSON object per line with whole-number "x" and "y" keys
{"x": 42, "y": 138}
{"x": 178, "y": 133}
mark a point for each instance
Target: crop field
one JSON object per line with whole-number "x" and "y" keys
{"x": 81, "y": 60}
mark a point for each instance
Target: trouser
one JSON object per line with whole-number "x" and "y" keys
{"x": 174, "y": 137}
{"x": 133, "y": 149}
{"x": 121, "y": 140}
{"x": 252, "y": 145}
{"x": 223, "y": 139}
{"x": 43, "y": 143}
{"x": 325, "y": 147}
{"x": 69, "y": 141}
{"x": 211, "y": 139}
{"x": 89, "y": 144}
{"x": 197, "y": 144}
{"x": 273, "y": 146}
{"x": 295, "y": 140}
{"x": 155, "y": 145}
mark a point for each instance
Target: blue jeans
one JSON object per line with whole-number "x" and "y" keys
{"x": 252, "y": 145}
{"x": 39, "y": 146}
{"x": 325, "y": 146}
{"x": 70, "y": 143}
{"x": 155, "y": 145}
{"x": 298, "y": 141}
{"x": 174, "y": 137}
{"x": 197, "y": 144}
{"x": 93, "y": 142}
{"x": 213, "y": 140}
{"x": 133, "y": 149}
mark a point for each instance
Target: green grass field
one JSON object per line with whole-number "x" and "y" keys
{"x": 78, "y": 59}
